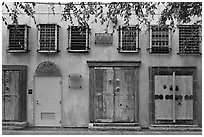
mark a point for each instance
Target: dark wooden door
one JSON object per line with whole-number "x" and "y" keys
{"x": 10, "y": 95}
{"x": 114, "y": 94}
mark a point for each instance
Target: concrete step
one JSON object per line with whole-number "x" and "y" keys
{"x": 114, "y": 126}
{"x": 175, "y": 128}
{"x": 14, "y": 125}
{"x": 102, "y": 128}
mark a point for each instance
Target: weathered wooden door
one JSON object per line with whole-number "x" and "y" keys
{"x": 47, "y": 101}
{"x": 114, "y": 94}
{"x": 173, "y": 98}
{"x": 10, "y": 95}
{"x": 124, "y": 94}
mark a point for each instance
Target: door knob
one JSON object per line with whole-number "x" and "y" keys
{"x": 37, "y": 102}
{"x": 118, "y": 89}
{"x": 110, "y": 81}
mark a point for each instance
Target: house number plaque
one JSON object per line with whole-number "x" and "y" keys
{"x": 103, "y": 38}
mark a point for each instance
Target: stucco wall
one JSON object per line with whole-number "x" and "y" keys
{"x": 76, "y": 101}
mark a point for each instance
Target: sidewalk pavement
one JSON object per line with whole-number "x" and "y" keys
{"x": 86, "y": 131}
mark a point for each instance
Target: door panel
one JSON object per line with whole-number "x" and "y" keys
{"x": 11, "y": 95}
{"x": 124, "y": 94}
{"x": 108, "y": 95}
{"x": 103, "y": 96}
{"x": 47, "y": 101}
{"x": 163, "y": 98}
{"x": 184, "y": 100}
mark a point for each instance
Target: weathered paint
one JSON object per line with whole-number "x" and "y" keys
{"x": 75, "y": 108}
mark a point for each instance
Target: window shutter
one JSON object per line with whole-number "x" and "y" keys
{"x": 189, "y": 39}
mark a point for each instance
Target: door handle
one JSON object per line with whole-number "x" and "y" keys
{"x": 117, "y": 89}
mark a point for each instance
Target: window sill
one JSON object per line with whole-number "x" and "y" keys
{"x": 47, "y": 51}
{"x": 189, "y": 54}
{"x": 122, "y": 51}
{"x": 17, "y": 51}
{"x": 77, "y": 51}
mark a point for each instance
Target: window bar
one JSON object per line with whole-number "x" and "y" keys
{"x": 70, "y": 38}
{"x": 137, "y": 40}
{"x": 39, "y": 37}
{"x": 87, "y": 39}
{"x": 25, "y": 37}
{"x": 121, "y": 37}
{"x": 150, "y": 40}
{"x": 56, "y": 46}
{"x": 169, "y": 38}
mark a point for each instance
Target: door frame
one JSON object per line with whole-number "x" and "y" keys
{"x": 162, "y": 70}
{"x": 34, "y": 100}
{"x": 22, "y": 87}
{"x": 93, "y": 64}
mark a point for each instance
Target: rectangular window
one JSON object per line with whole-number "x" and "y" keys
{"x": 18, "y": 38}
{"x": 78, "y": 39}
{"x": 128, "y": 39}
{"x": 189, "y": 39}
{"x": 160, "y": 39}
{"x": 48, "y": 37}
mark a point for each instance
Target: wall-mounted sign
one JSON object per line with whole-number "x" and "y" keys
{"x": 104, "y": 38}
{"x": 75, "y": 81}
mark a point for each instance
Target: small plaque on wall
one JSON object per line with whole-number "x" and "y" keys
{"x": 104, "y": 38}
{"x": 75, "y": 81}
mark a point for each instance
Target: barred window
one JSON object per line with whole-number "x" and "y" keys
{"x": 189, "y": 39}
{"x": 160, "y": 39}
{"x": 48, "y": 37}
{"x": 78, "y": 39}
{"x": 18, "y": 38}
{"x": 128, "y": 39}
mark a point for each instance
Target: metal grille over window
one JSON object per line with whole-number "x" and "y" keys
{"x": 160, "y": 39}
{"x": 128, "y": 39}
{"x": 18, "y": 38}
{"x": 48, "y": 37}
{"x": 78, "y": 39}
{"x": 189, "y": 39}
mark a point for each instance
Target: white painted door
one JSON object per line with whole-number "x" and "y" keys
{"x": 168, "y": 107}
{"x": 184, "y": 98}
{"x": 47, "y": 101}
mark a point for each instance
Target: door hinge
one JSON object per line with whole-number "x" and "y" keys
{"x": 60, "y": 102}
{"x": 60, "y": 122}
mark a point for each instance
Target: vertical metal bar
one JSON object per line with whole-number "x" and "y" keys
{"x": 56, "y": 37}
{"x": 86, "y": 38}
{"x": 70, "y": 38}
{"x": 169, "y": 37}
{"x": 136, "y": 38}
{"x": 121, "y": 36}
{"x": 25, "y": 37}
{"x": 39, "y": 37}
{"x": 174, "y": 109}
{"x": 150, "y": 39}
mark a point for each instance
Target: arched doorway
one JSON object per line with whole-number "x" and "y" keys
{"x": 47, "y": 95}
